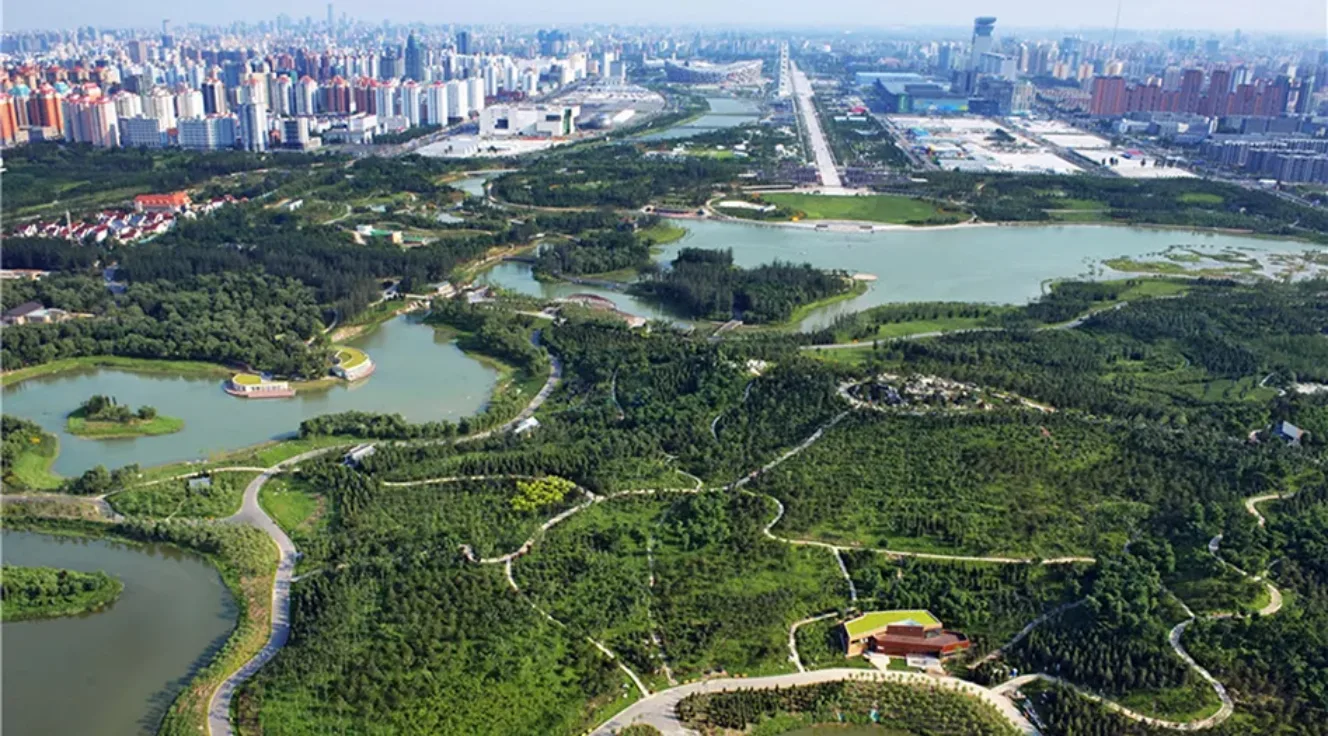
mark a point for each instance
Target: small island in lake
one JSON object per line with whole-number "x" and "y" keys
{"x": 101, "y": 417}
{"x": 47, "y": 592}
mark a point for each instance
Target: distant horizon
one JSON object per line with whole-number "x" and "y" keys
{"x": 1293, "y": 18}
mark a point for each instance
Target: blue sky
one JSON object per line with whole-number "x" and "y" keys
{"x": 1293, "y": 16}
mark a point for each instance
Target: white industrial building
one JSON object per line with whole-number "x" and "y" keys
{"x": 529, "y": 120}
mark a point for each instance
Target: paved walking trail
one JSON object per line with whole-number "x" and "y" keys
{"x": 660, "y": 710}
{"x": 219, "y": 708}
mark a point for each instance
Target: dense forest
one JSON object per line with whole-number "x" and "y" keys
{"x": 1012, "y": 482}
{"x": 242, "y": 318}
{"x": 705, "y": 283}
{"x": 687, "y": 582}
{"x": 907, "y": 707}
{"x": 46, "y": 592}
{"x": 41, "y": 173}
{"x": 613, "y": 176}
{"x": 406, "y": 636}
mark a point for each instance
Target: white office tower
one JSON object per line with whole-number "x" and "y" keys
{"x": 128, "y": 104}
{"x": 306, "y": 96}
{"x": 475, "y": 94}
{"x": 143, "y": 132}
{"x": 253, "y": 126}
{"x": 280, "y": 94}
{"x": 188, "y": 103}
{"x": 530, "y": 82}
{"x": 435, "y": 109}
{"x": 160, "y": 104}
{"x": 982, "y": 28}
{"x": 211, "y": 133}
{"x": 458, "y": 101}
{"x": 783, "y": 84}
{"x": 511, "y": 76}
{"x": 410, "y": 102}
{"x": 385, "y": 99}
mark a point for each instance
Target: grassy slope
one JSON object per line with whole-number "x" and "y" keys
{"x": 32, "y": 467}
{"x": 875, "y": 208}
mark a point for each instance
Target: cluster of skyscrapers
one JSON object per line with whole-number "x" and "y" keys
{"x": 206, "y": 95}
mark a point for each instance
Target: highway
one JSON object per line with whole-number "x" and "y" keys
{"x": 825, "y": 162}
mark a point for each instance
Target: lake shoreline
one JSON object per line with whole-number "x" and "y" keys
{"x": 867, "y": 227}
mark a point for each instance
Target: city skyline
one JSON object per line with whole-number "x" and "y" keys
{"x": 1288, "y": 17}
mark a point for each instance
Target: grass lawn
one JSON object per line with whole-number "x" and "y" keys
{"x": 916, "y": 327}
{"x": 663, "y": 233}
{"x": 875, "y": 208}
{"x": 32, "y": 467}
{"x": 845, "y": 356}
{"x": 1200, "y": 198}
{"x": 182, "y": 367}
{"x": 77, "y": 425}
{"x": 1079, "y": 215}
{"x": 288, "y": 502}
{"x": 858, "y": 288}
{"x": 1188, "y": 703}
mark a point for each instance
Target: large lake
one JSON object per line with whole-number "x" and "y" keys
{"x": 114, "y": 672}
{"x": 995, "y": 264}
{"x": 419, "y": 375}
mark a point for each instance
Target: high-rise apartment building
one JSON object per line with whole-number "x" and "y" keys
{"x": 475, "y": 94}
{"x": 211, "y": 133}
{"x": 306, "y": 96}
{"x": 458, "y": 99}
{"x": 253, "y": 126}
{"x": 127, "y": 104}
{"x": 1108, "y": 97}
{"x": 8, "y": 120}
{"x": 410, "y": 102}
{"x": 214, "y": 97}
{"x": 436, "y": 106}
{"x": 188, "y": 103}
{"x": 385, "y": 99}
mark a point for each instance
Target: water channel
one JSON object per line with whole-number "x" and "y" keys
{"x": 117, "y": 671}
{"x": 725, "y": 112}
{"x": 419, "y": 375}
{"x": 993, "y": 264}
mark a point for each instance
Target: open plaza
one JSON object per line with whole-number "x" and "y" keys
{"x": 1126, "y": 162}
{"x": 971, "y": 143}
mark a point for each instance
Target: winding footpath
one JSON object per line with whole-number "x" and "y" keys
{"x": 219, "y": 707}
{"x": 660, "y": 709}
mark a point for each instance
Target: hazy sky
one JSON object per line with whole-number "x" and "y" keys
{"x": 1295, "y": 16}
